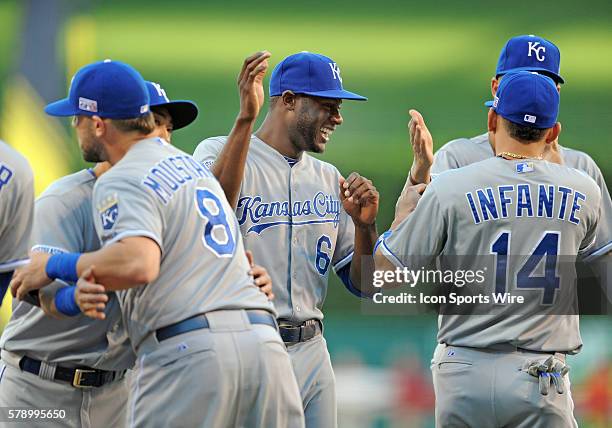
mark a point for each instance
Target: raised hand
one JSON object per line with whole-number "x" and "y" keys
{"x": 250, "y": 85}
{"x": 422, "y": 148}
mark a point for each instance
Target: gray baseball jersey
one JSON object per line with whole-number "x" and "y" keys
{"x": 292, "y": 219}
{"x": 465, "y": 151}
{"x": 523, "y": 209}
{"x": 16, "y": 208}
{"x": 63, "y": 223}
{"x": 159, "y": 192}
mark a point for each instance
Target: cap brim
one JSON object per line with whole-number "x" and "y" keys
{"x": 62, "y": 107}
{"x": 183, "y": 112}
{"x": 334, "y": 93}
{"x": 544, "y": 71}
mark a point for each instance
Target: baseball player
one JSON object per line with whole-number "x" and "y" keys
{"x": 505, "y": 368}
{"x": 16, "y": 212}
{"x": 200, "y": 328}
{"x": 75, "y": 362}
{"x": 531, "y": 53}
{"x": 297, "y": 214}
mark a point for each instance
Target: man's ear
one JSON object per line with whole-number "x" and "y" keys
{"x": 553, "y": 133}
{"x": 492, "y": 121}
{"x": 494, "y": 85}
{"x": 99, "y": 126}
{"x": 492, "y": 128}
{"x": 289, "y": 99}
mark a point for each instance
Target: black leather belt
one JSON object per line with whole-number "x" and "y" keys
{"x": 291, "y": 333}
{"x": 78, "y": 377}
{"x": 199, "y": 322}
{"x": 507, "y": 347}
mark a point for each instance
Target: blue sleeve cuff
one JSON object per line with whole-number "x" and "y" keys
{"x": 65, "y": 301}
{"x": 380, "y": 240}
{"x": 63, "y": 266}
{"x": 344, "y": 273}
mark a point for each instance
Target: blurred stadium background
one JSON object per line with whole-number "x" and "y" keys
{"x": 437, "y": 57}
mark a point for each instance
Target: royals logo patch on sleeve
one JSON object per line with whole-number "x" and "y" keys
{"x": 109, "y": 211}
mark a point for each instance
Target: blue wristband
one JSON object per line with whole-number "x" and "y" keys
{"x": 65, "y": 302}
{"x": 63, "y": 266}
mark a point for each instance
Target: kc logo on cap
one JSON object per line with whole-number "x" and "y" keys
{"x": 335, "y": 71}
{"x": 536, "y": 48}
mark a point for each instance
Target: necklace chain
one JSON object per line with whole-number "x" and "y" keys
{"x": 515, "y": 156}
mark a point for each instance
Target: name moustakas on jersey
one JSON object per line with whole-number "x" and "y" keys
{"x": 171, "y": 173}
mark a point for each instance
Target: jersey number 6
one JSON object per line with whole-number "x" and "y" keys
{"x": 217, "y": 232}
{"x": 323, "y": 260}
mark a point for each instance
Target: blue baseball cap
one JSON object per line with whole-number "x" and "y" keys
{"x": 310, "y": 74}
{"x": 183, "y": 112}
{"x": 528, "y": 99}
{"x": 530, "y": 53}
{"x": 109, "y": 89}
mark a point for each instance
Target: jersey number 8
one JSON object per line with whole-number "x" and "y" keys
{"x": 217, "y": 232}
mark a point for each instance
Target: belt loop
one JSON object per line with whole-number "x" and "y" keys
{"x": 47, "y": 371}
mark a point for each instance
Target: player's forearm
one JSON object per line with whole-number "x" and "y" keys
{"x": 124, "y": 264}
{"x": 406, "y": 203}
{"x": 362, "y": 266}
{"x": 230, "y": 164}
{"x": 420, "y": 172}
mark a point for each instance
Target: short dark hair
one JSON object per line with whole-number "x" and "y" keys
{"x": 275, "y": 99}
{"x": 143, "y": 124}
{"x": 542, "y": 72}
{"x": 524, "y": 134}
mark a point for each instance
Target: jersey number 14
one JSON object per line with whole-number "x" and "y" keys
{"x": 547, "y": 248}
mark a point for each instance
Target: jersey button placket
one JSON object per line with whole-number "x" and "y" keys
{"x": 294, "y": 240}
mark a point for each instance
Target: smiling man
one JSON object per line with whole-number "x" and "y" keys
{"x": 297, "y": 214}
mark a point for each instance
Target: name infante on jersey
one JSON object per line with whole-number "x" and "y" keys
{"x": 321, "y": 208}
{"x": 524, "y": 200}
